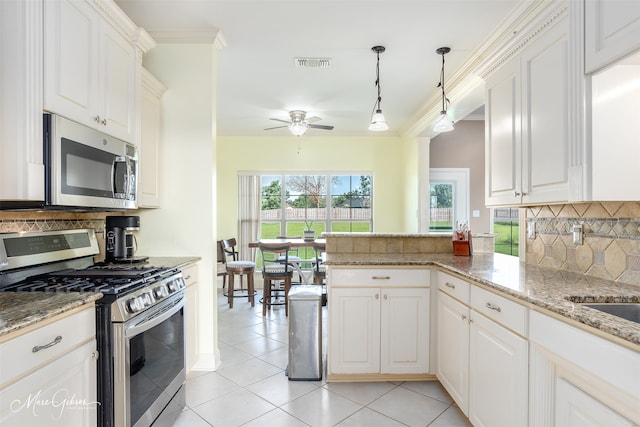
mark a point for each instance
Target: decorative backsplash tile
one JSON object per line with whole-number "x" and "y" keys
{"x": 11, "y": 222}
{"x": 611, "y": 239}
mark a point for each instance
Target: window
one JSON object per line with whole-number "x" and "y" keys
{"x": 448, "y": 198}
{"x": 506, "y": 227}
{"x": 338, "y": 203}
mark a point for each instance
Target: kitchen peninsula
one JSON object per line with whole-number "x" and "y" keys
{"x": 495, "y": 329}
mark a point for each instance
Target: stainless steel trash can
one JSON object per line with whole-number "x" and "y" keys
{"x": 305, "y": 333}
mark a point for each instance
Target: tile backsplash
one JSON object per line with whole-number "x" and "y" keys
{"x": 611, "y": 244}
{"x": 15, "y": 221}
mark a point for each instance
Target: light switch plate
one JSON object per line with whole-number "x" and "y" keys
{"x": 531, "y": 230}
{"x": 476, "y": 213}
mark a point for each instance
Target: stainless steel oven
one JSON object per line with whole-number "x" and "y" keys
{"x": 140, "y": 319}
{"x": 148, "y": 360}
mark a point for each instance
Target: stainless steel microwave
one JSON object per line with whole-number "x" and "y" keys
{"x": 85, "y": 168}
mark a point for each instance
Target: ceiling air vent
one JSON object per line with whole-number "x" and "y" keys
{"x": 312, "y": 62}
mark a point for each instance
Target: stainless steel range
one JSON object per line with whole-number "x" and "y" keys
{"x": 139, "y": 321}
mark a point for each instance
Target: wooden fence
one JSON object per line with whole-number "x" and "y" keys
{"x": 315, "y": 214}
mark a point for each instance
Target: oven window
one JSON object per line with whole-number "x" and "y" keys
{"x": 156, "y": 357}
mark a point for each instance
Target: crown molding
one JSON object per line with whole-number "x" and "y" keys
{"x": 178, "y": 36}
{"x": 524, "y": 24}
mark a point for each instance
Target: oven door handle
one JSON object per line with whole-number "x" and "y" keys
{"x": 156, "y": 319}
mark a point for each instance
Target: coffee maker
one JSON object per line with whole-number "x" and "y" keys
{"x": 120, "y": 240}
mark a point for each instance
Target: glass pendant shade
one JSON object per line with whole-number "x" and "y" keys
{"x": 443, "y": 124}
{"x": 298, "y": 128}
{"x": 378, "y": 122}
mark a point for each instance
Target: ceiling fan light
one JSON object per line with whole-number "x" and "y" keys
{"x": 443, "y": 124}
{"x": 378, "y": 122}
{"x": 298, "y": 128}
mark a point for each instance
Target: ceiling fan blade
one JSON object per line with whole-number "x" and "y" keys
{"x": 325, "y": 127}
{"x": 313, "y": 119}
{"x": 277, "y": 127}
{"x": 279, "y": 120}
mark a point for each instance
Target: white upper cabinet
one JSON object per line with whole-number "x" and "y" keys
{"x": 91, "y": 69}
{"x": 21, "y": 157}
{"x": 527, "y": 122}
{"x": 150, "y": 182}
{"x": 614, "y": 120}
{"x": 612, "y": 31}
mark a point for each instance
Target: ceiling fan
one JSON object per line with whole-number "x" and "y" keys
{"x": 298, "y": 124}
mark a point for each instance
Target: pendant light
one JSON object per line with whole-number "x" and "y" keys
{"x": 378, "y": 122}
{"x": 443, "y": 123}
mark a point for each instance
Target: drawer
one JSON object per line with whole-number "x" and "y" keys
{"x": 454, "y": 287}
{"x": 377, "y": 277}
{"x": 18, "y": 355}
{"x": 504, "y": 311}
{"x": 190, "y": 274}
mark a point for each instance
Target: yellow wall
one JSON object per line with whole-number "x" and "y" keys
{"x": 391, "y": 160}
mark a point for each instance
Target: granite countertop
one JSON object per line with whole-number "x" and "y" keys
{"x": 21, "y": 309}
{"x": 171, "y": 262}
{"x": 558, "y": 291}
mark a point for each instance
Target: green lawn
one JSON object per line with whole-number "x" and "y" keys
{"x": 294, "y": 229}
{"x": 507, "y": 237}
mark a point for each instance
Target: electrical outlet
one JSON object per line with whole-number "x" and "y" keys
{"x": 576, "y": 230}
{"x": 531, "y": 230}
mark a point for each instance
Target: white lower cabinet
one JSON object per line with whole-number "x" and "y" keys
{"x": 452, "y": 348}
{"x": 580, "y": 379}
{"x": 482, "y": 353}
{"x": 56, "y": 384}
{"x": 192, "y": 292}
{"x": 378, "y": 330}
{"x": 575, "y": 408}
{"x": 498, "y": 375}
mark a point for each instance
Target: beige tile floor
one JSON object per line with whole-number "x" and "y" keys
{"x": 251, "y": 389}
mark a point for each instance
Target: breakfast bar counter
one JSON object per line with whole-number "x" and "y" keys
{"x": 557, "y": 292}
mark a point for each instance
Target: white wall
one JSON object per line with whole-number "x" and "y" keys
{"x": 392, "y": 160}
{"x": 186, "y": 223}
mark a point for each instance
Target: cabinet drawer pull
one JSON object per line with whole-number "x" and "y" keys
{"x": 377, "y": 296}
{"x": 449, "y": 285}
{"x": 381, "y": 277}
{"x": 493, "y": 307}
{"x": 37, "y": 348}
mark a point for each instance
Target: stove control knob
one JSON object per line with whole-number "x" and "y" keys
{"x": 175, "y": 285}
{"x": 134, "y": 305}
{"x": 147, "y": 299}
{"x": 160, "y": 292}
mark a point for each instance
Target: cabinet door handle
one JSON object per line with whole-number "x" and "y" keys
{"x": 385, "y": 296}
{"x": 377, "y": 296}
{"x": 449, "y": 285}
{"x": 103, "y": 122}
{"x": 97, "y": 119}
{"x": 517, "y": 193}
{"x": 493, "y": 307}
{"x": 380, "y": 277}
{"x": 37, "y": 348}
{"x": 464, "y": 317}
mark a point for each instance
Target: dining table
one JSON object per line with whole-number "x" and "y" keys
{"x": 307, "y": 279}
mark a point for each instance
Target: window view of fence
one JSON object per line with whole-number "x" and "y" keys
{"x": 441, "y": 207}
{"x": 338, "y": 203}
{"x": 506, "y": 227}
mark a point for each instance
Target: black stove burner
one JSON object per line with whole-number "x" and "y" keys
{"x": 106, "y": 285}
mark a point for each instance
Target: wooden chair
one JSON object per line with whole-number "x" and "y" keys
{"x": 241, "y": 268}
{"x": 294, "y": 256}
{"x": 320, "y": 270}
{"x": 275, "y": 269}
{"x": 221, "y": 266}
